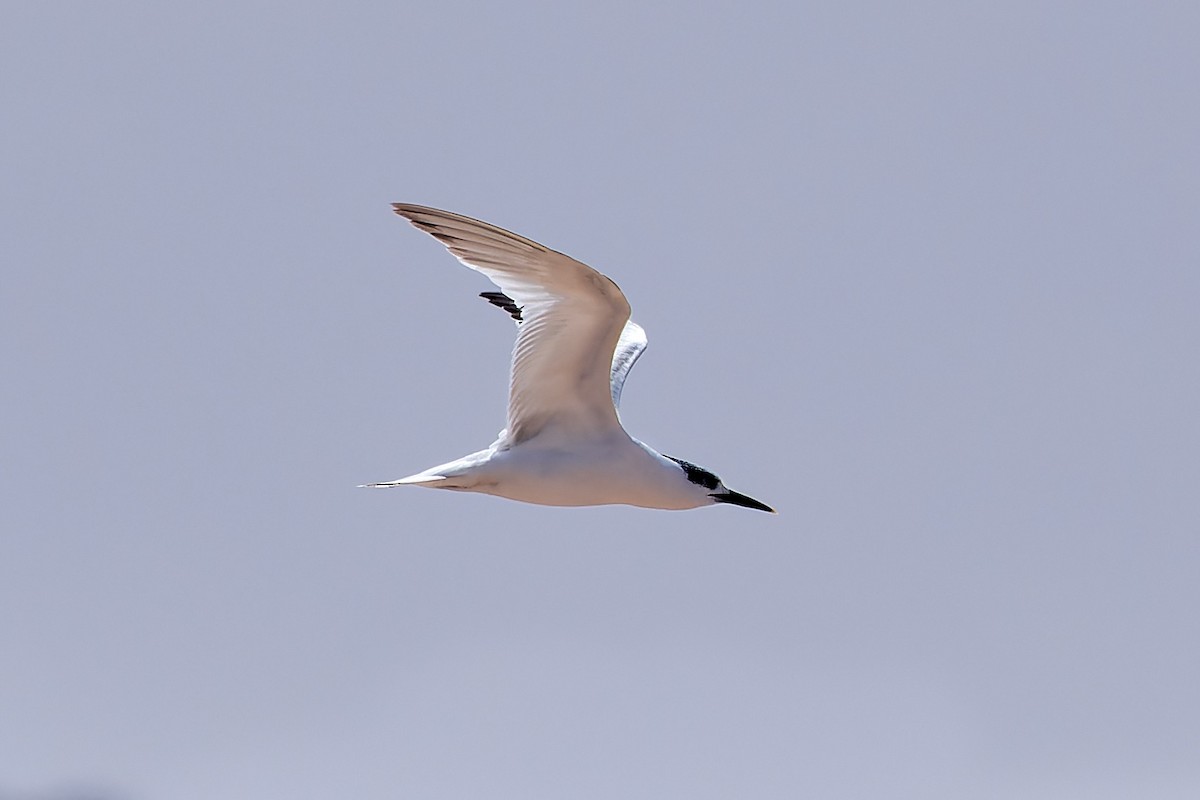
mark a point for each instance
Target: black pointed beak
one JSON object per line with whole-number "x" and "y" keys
{"x": 739, "y": 499}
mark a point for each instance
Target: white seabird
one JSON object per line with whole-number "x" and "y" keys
{"x": 564, "y": 444}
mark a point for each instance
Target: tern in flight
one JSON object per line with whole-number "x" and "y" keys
{"x": 564, "y": 444}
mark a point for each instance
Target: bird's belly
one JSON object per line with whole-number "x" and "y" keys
{"x": 563, "y": 478}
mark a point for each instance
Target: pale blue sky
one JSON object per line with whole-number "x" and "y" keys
{"x": 923, "y": 277}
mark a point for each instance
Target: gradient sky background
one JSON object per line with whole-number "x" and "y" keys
{"x": 925, "y": 277}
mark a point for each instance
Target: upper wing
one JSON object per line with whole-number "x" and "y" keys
{"x": 571, "y": 320}
{"x": 630, "y": 345}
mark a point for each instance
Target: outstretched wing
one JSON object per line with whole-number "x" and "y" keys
{"x": 629, "y": 348}
{"x": 571, "y": 319}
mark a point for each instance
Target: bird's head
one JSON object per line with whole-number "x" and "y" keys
{"x": 715, "y": 489}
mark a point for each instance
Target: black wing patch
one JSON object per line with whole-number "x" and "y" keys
{"x": 501, "y": 300}
{"x": 697, "y": 475}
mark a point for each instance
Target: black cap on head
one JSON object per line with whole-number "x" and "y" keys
{"x": 702, "y": 477}
{"x": 697, "y": 475}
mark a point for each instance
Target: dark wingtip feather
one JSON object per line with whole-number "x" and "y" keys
{"x": 503, "y": 301}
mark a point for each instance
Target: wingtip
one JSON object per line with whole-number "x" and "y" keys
{"x": 409, "y": 210}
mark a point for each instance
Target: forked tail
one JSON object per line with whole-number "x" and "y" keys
{"x": 422, "y": 479}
